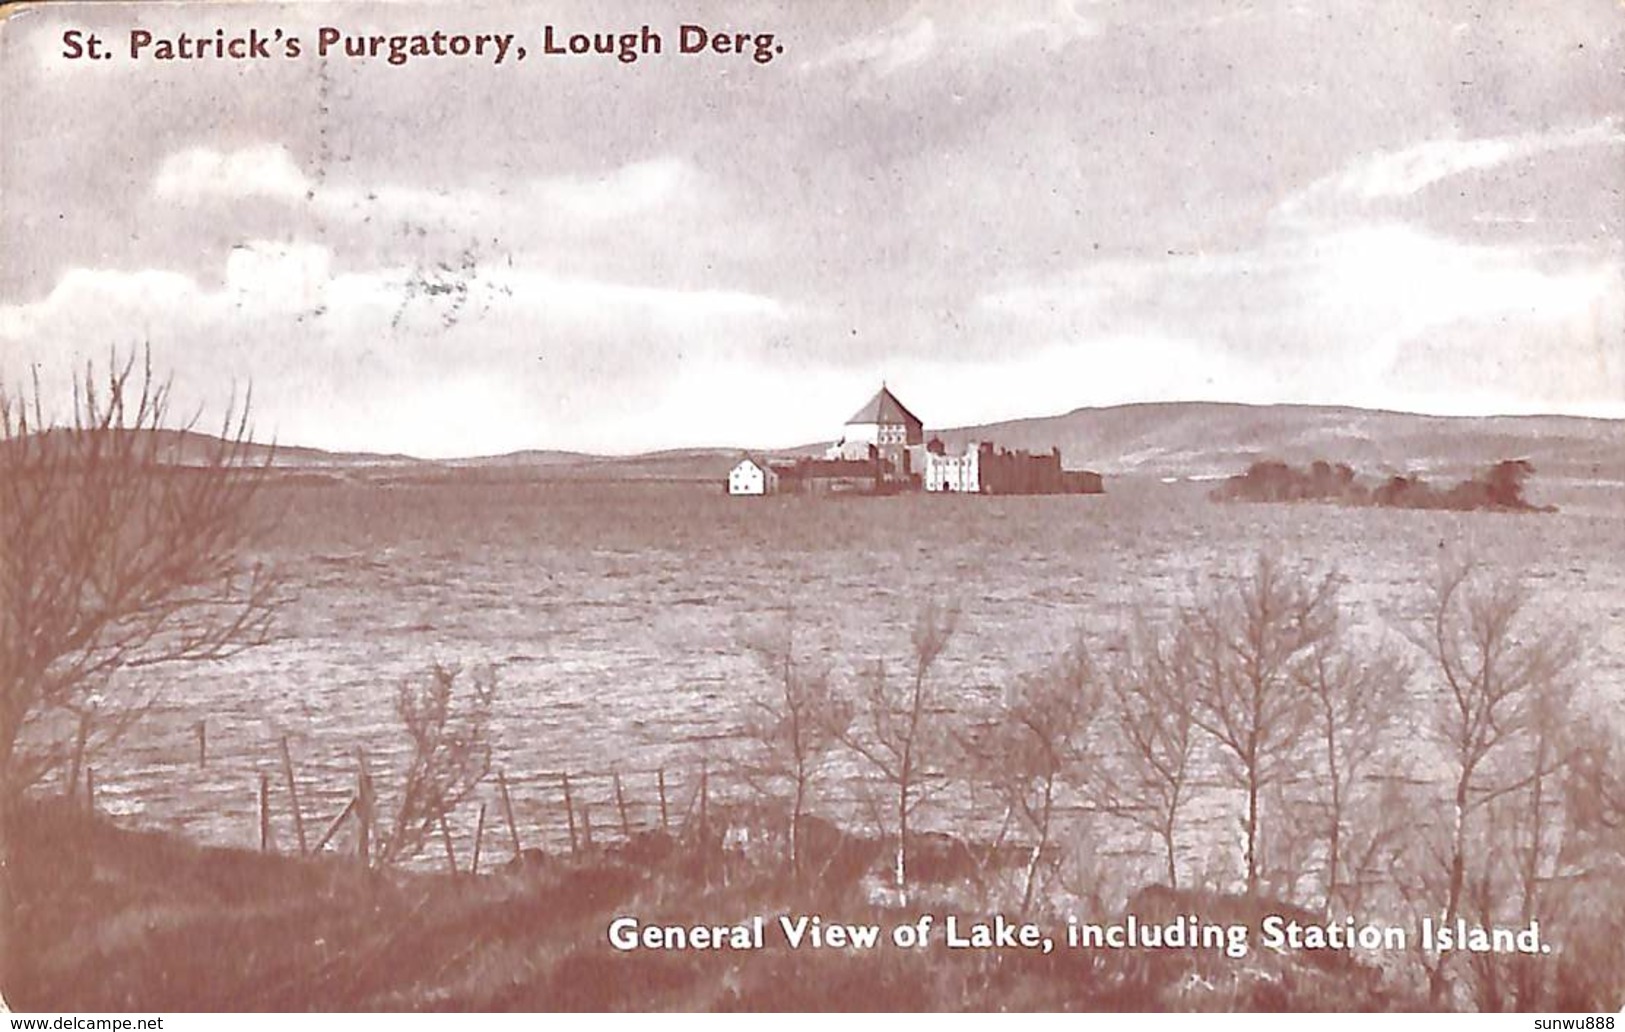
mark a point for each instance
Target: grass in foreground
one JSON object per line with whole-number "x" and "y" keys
{"x": 119, "y": 920}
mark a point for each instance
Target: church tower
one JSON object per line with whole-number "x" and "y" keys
{"x": 883, "y": 427}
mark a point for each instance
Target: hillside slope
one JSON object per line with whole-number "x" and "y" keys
{"x": 1205, "y": 439}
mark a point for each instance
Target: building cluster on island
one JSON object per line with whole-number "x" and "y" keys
{"x": 884, "y": 451}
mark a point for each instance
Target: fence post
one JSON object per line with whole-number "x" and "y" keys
{"x": 363, "y": 809}
{"x": 202, "y": 729}
{"x": 705, "y": 796}
{"x": 620, "y": 804}
{"x": 78, "y": 753}
{"x": 479, "y": 835}
{"x": 507, "y": 811}
{"x": 90, "y": 790}
{"x": 705, "y": 822}
{"x": 586, "y": 826}
{"x": 665, "y": 824}
{"x": 570, "y": 812}
{"x": 445, "y": 836}
{"x": 265, "y": 812}
{"x": 293, "y": 796}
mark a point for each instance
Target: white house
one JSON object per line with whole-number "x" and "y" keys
{"x": 751, "y": 477}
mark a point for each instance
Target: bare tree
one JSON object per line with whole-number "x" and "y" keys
{"x": 1356, "y": 698}
{"x": 1034, "y": 748}
{"x": 794, "y": 726}
{"x": 1590, "y": 875}
{"x": 1537, "y": 812}
{"x": 1379, "y": 833}
{"x": 1149, "y": 769}
{"x": 451, "y": 754}
{"x": 900, "y": 731}
{"x": 1500, "y": 683}
{"x": 126, "y": 542}
{"x": 1598, "y": 785}
{"x": 1249, "y": 645}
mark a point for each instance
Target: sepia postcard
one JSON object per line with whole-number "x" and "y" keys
{"x": 603, "y": 505}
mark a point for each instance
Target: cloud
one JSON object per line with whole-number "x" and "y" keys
{"x": 627, "y": 191}
{"x": 770, "y": 235}
{"x": 907, "y": 42}
{"x": 274, "y": 277}
{"x": 88, "y": 295}
{"x": 273, "y": 274}
{"x": 506, "y": 358}
{"x": 659, "y": 221}
{"x": 1054, "y": 23}
{"x": 198, "y": 173}
{"x": 1408, "y": 280}
{"x": 623, "y": 193}
{"x": 1405, "y": 172}
{"x": 930, "y": 32}
{"x": 1341, "y": 315}
{"x": 588, "y": 299}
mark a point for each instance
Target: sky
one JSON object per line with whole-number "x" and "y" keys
{"x": 999, "y": 213}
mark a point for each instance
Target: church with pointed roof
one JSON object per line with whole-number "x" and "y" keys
{"x": 882, "y": 429}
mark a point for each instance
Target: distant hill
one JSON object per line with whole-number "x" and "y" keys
{"x": 676, "y": 464}
{"x": 1211, "y": 439}
{"x": 691, "y": 464}
{"x": 188, "y": 447}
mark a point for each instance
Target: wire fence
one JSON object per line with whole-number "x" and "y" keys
{"x": 273, "y": 796}
{"x": 299, "y": 794}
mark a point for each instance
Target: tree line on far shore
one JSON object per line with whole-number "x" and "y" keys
{"x": 1500, "y": 487}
